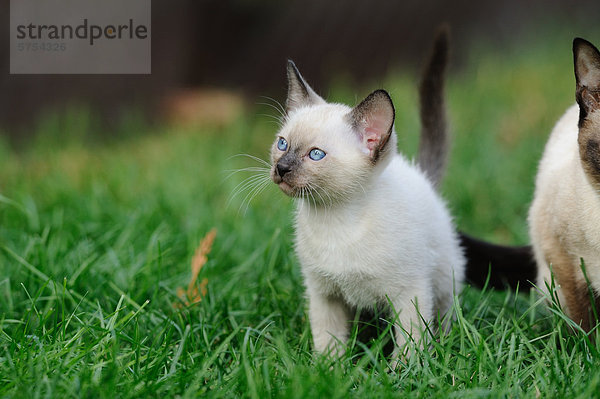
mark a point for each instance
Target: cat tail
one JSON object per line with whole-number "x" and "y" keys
{"x": 497, "y": 266}
{"x": 434, "y": 142}
{"x": 488, "y": 265}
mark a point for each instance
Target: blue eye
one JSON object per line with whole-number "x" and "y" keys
{"x": 282, "y": 144}
{"x": 316, "y": 155}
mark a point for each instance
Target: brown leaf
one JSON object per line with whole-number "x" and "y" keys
{"x": 195, "y": 292}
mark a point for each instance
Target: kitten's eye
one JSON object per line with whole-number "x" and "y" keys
{"x": 316, "y": 155}
{"x": 282, "y": 144}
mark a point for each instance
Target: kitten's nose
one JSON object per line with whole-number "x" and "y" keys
{"x": 283, "y": 168}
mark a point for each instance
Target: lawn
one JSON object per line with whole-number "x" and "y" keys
{"x": 97, "y": 238}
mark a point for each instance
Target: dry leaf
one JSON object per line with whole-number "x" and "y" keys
{"x": 195, "y": 292}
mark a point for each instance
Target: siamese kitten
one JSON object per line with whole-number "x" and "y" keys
{"x": 564, "y": 218}
{"x": 371, "y": 230}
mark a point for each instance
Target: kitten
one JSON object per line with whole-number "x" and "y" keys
{"x": 564, "y": 218}
{"x": 371, "y": 230}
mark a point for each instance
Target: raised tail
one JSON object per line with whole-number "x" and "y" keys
{"x": 495, "y": 265}
{"x": 498, "y": 266}
{"x": 434, "y": 143}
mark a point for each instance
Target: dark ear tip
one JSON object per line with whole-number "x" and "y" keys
{"x": 292, "y": 70}
{"x": 382, "y": 93}
{"x": 385, "y": 96}
{"x": 578, "y": 43}
{"x": 290, "y": 66}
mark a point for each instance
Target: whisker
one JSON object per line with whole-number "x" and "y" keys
{"x": 300, "y": 202}
{"x": 361, "y": 187}
{"x": 262, "y": 161}
{"x": 251, "y": 182}
{"x": 302, "y": 192}
{"x": 244, "y": 185}
{"x": 247, "y": 180}
{"x": 329, "y": 197}
{"x": 278, "y": 106}
{"x": 259, "y": 186}
{"x": 249, "y": 169}
{"x": 307, "y": 199}
{"x": 252, "y": 185}
{"x": 315, "y": 189}
{"x": 319, "y": 189}
{"x": 258, "y": 192}
{"x": 314, "y": 202}
{"x": 275, "y": 119}
{"x": 272, "y": 106}
{"x": 309, "y": 190}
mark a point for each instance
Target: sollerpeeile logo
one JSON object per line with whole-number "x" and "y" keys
{"x": 80, "y": 37}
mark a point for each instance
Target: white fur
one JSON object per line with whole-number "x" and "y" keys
{"x": 388, "y": 238}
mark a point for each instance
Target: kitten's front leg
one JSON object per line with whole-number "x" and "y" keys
{"x": 329, "y": 318}
{"x": 410, "y": 311}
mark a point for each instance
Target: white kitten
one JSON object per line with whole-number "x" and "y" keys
{"x": 564, "y": 219}
{"x": 370, "y": 228}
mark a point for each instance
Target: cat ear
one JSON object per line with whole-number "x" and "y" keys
{"x": 300, "y": 94}
{"x": 373, "y": 120}
{"x": 586, "y": 58}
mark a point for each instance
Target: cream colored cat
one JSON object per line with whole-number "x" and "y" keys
{"x": 564, "y": 218}
{"x": 371, "y": 230}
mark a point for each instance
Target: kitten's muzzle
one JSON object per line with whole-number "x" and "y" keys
{"x": 283, "y": 168}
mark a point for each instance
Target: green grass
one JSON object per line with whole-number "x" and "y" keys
{"x": 96, "y": 237}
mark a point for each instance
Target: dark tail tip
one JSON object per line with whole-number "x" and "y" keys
{"x": 434, "y": 144}
{"x": 498, "y": 266}
{"x": 441, "y": 50}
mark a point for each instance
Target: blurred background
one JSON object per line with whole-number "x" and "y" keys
{"x": 218, "y": 71}
{"x": 209, "y": 56}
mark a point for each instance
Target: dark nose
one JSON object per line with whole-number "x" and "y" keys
{"x": 283, "y": 168}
